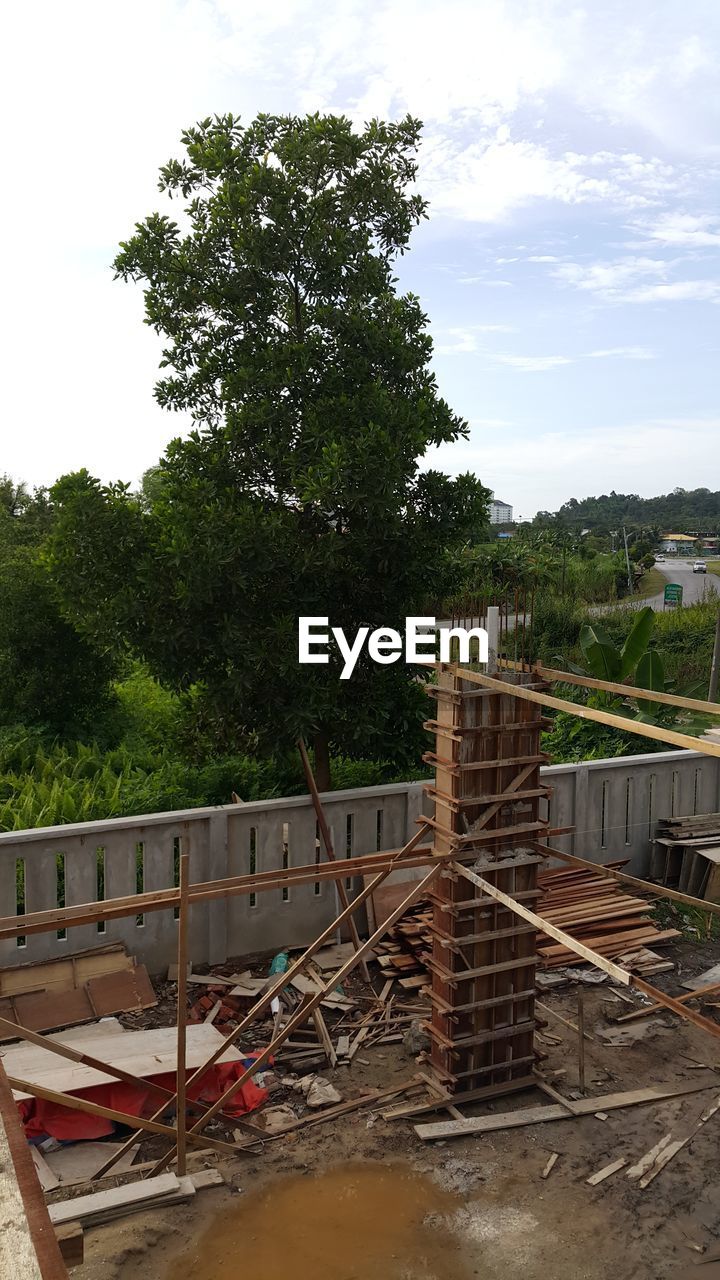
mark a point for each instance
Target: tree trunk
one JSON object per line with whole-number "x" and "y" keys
{"x": 321, "y": 749}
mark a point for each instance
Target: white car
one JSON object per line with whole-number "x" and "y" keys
{"x": 660, "y": 559}
{"x": 699, "y": 566}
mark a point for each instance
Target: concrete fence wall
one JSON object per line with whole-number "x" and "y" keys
{"x": 613, "y": 805}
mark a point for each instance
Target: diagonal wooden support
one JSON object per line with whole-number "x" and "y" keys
{"x": 282, "y": 981}
{"x": 304, "y": 1012}
{"x": 329, "y": 850}
{"x": 120, "y": 1117}
{"x": 600, "y": 962}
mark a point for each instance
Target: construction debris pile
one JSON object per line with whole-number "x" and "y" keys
{"x": 686, "y": 855}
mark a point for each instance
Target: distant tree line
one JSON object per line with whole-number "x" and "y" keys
{"x": 683, "y": 510}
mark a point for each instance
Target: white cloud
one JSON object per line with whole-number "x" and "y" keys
{"x": 610, "y": 279}
{"x": 540, "y": 364}
{"x": 486, "y": 180}
{"x": 463, "y": 340}
{"x": 651, "y": 456}
{"x": 680, "y": 291}
{"x": 684, "y": 229}
{"x": 532, "y": 364}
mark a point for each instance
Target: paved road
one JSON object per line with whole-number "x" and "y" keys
{"x": 695, "y": 586}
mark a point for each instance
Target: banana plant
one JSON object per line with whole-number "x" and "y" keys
{"x": 635, "y": 660}
{"x": 604, "y": 660}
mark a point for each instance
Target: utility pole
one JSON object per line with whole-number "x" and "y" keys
{"x": 627, "y": 562}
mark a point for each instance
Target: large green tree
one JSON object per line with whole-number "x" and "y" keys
{"x": 51, "y": 676}
{"x": 300, "y": 490}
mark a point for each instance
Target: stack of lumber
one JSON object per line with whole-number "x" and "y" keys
{"x": 603, "y": 916}
{"x": 406, "y": 948}
{"x": 686, "y": 855}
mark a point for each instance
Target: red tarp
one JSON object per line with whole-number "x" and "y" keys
{"x": 67, "y": 1125}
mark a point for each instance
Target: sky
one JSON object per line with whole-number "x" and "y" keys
{"x": 569, "y": 268}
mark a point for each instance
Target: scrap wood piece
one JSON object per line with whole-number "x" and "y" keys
{"x": 606, "y": 1172}
{"x": 47, "y": 1178}
{"x": 80, "y": 1161}
{"x": 654, "y": 1161}
{"x": 324, "y": 1037}
{"x": 682, "y": 1000}
{"x": 85, "y": 1208}
{"x": 550, "y": 1165}
{"x": 538, "y": 1115}
{"x": 71, "y": 1240}
{"x": 65, "y": 972}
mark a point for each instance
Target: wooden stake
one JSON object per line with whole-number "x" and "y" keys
{"x": 329, "y": 851}
{"x": 581, "y": 1037}
{"x": 180, "y": 1082}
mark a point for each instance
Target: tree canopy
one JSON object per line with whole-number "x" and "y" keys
{"x": 300, "y": 490}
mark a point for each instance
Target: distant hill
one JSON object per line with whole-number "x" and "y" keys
{"x": 691, "y": 510}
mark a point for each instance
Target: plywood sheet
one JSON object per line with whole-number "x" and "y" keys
{"x": 142, "y": 1053}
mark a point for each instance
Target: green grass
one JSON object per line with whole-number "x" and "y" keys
{"x": 713, "y": 566}
{"x": 652, "y": 583}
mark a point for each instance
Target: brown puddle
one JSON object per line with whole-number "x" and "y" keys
{"x": 355, "y": 1222}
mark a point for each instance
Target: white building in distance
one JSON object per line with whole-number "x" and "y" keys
{"x": 500, "y": 512}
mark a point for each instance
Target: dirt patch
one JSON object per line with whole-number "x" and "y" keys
{"x": 495, "y": 1215}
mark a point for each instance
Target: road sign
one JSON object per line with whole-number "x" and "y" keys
{"x": 673, "y": 595}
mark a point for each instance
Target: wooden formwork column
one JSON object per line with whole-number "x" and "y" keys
{"x": 487, "y": 797}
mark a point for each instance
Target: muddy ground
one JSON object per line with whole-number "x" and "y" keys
{"x": 499, "y": 1217}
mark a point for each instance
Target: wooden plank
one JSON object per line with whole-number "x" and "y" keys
{"x": 667, "y": 1148}
{"x": 539, "y": 1115}
{"x": 71, "y": 1239}
{"x": 181, "y": 1059}
{"x": 620, "y": 975}
{"x": 627, "y": 690}
{"x": 130, "y": 1057}
{"x": 550, "y": 1165}
{"x": 609, "y": 1169}
{"x": 84, "y": 1207}
{"x": 211, "y": 890}
{"x": 656, "y": 732}
{"x": 655, "y": 890}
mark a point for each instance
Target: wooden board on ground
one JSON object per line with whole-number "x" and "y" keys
{"x": 606, "y": 1172}
{"x": 80, "y": 1161}
{"x": 135, "y": 1197}
{"x": 142, "y": 1053}
{"x": 538, "y": 1115}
